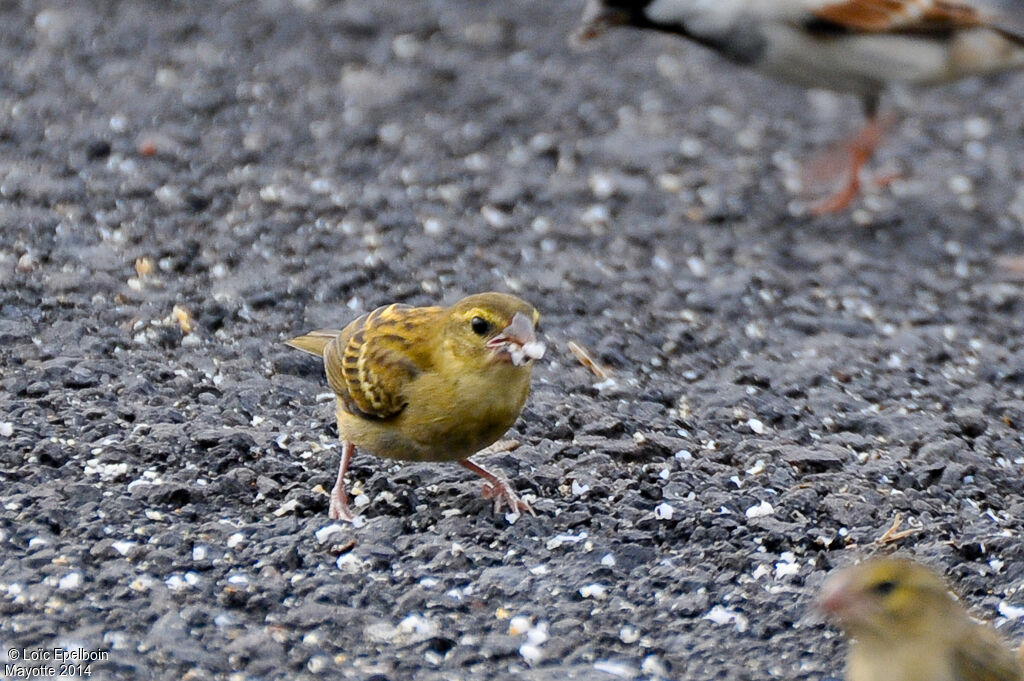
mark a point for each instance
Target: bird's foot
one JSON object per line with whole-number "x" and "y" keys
{"x": 497, "y": 488}
{"x": 504, "y": 495}
{"x": 838, "y": 170}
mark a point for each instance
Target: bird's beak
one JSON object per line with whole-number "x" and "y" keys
{"x": 836, "y": 601}
{"x": 597, "y": 18}
{"x": 518, "y": 341}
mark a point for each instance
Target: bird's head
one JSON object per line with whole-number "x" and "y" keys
{"x": 495, "y": 328}
{"x": 891, "y": 598}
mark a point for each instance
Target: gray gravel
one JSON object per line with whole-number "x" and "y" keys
{"x": 782, "y": 387}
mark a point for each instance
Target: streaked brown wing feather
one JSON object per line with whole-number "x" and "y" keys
{"x": 370, "y": 363}
{"x": 981, "y": 656}
{"x": 885, "y": 16}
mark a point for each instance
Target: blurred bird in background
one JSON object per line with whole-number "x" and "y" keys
{"x": 854, "y": 46}
{"x": 905, "y": 625}
{"x": 430, "y": 383}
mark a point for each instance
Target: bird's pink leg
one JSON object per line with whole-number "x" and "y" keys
{"x": 498, "y": 489}
{"x": 857, "y": 153}
{"x": 339, "y": 497}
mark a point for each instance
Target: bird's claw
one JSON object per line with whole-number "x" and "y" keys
{"x": 504, "y": 495}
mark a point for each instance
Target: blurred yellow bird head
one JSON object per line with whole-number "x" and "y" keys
{"x": 495, "y": 328}
{"x": 886, "y": 598}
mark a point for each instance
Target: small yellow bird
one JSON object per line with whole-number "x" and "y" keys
{"x": 430, "y": 383}
{"x": 907, "y": 626}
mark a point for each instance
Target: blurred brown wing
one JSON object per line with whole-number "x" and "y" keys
{"x": 901, "y": 16}
{"x": 371, "y": 362}
{"x": 981, "y": 656}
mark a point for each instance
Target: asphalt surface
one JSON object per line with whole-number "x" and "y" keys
{"x": 781, "y": 387}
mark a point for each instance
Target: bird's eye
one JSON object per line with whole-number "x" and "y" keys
{"x": 480, "y": 326}
{"x": 884, "y": 588}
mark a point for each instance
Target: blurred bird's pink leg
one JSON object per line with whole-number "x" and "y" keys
{"x": 858, "y": 152}
{"x": 498, "y": 489}
{"x": 339, "y": 497}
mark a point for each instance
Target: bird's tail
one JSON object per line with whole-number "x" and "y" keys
{"x": 314, "y": 342}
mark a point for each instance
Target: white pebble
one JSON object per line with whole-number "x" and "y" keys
{"x": 760, "y": 510}
{"x": 123, "y": 547}
{"x": 325, "y": 533}
{"x": 595, "y": 591}
{"x": 721, "y": 615}
{"x": 697, "y": 266}
{"x": 608, "y": 560}
{"x": 663, "y": 511}
{"x": 520, "y": 624}
{"x": 347, "y": 562}
{"x": 235, "y": 540}
{"x": 6, "y": 429}
{"x": 756, "y": 425}
{"x": 1011, "y": 612}
{"x": 530, "y": 652}
{"x": 615, "y": 668}
{"x": 961, "y": 184}
{"x": 70, "y": 581}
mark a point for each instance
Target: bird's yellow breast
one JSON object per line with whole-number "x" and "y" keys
{"x": 449, "y": 415}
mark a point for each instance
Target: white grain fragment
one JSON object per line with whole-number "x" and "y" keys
{"x": 760, "y": 510}
{"x": 756, "y": 425}
{"x": 787, "y": 566}
{"x": 123, "y": 547}
{"x": 70, "y": 581}
{"x": 697, "y": 266}
{"x": 1011, "y": 612}
{"x": 629, "y": 634}
{"x": 176, "y": 583}
{"x": 349, "y": 562}
{"x": 615, "y": 668}
{"x": 961, "y": 184}
{"x": 721, "y": 615}
{"x": 235, "y": 540}
{"x": 6, "y": 429}
{"x": 520, "y": 624}
{"x": 664, "y": 511}
{"x": 238, "y": 580}
{"x": 596, "y": 591}
{"x": 531, "y": 653}
{"x": 419, "y": 625}
{"x": 287, "y": 507}
{"x": 328, "y": 531}
{"x": 199, "y": 552}
{"x": 578, "y": 489}
{"x": 608, "y": 560}
{"x": 560, "y": 539}
{"x": 757, "y": 468}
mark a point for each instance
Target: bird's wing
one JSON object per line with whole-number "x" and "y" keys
{"x": 917, "y": 16}
{"x": 980, "y": 656}
{"x": 370, "y": 363}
